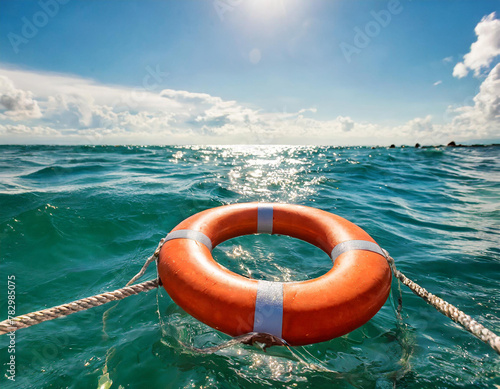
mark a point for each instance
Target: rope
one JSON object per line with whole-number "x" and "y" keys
{"x": 37, "y": 317}
{"x": 155, "y": 255}
{"x": 33, "y": 318}
{"x": 447, "y": 309}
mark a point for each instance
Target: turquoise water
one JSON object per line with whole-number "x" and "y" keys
{"x": 78, "y": 221}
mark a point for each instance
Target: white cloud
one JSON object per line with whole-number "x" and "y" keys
{"x": 189, "y": 97}
{"x": 460, "y": 70}
{"x": 484, "y": 114}
{"x": 63, "y": 109}
{"x": 17, "y": 104}
{"x": 346, "y": 124}
{"x": 21, "y": 129}
{"x": 437, "y": 83}
{"x": 304, "y": 110}
{"x": 483, "y": 50}
{"x": 419, "y": 125}
{"x": 448, "y": 59}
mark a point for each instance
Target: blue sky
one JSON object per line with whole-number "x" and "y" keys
{"x": 256, "y": 71}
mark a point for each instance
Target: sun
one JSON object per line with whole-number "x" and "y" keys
{"x": 266, "y": 10}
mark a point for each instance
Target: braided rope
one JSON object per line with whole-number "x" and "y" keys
{"x": 33, "y": 318}
{"x": 155, "y": 255}
{"x": 447, "y": 309}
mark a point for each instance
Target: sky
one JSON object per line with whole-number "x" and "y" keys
{"x": 333, "y": 72}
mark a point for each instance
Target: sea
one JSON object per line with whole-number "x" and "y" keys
{"x": 76, "y": 221}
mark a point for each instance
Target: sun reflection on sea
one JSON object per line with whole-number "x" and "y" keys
{"x": 278, "y": 173}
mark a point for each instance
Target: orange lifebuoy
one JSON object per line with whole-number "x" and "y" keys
{"x": 304, "y": 312}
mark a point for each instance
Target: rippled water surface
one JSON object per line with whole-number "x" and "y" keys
{"x": 78, "y": 221}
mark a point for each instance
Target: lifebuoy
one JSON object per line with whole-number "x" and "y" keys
{"x": 304, "y": 312}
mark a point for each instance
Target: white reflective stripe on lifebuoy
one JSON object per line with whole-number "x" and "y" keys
{"x": 190, "y": 234}
{"x": 268, "y": 316}
{"x": 265, "y": 218}
{"x": 355, "y": 245}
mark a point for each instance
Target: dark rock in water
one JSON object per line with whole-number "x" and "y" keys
{"x": 417, "y": 145}
{"x": 452, "y": 144}
{"x": 393, "y": 146}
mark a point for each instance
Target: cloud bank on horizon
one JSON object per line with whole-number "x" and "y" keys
{"x": 50, "y": 108}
